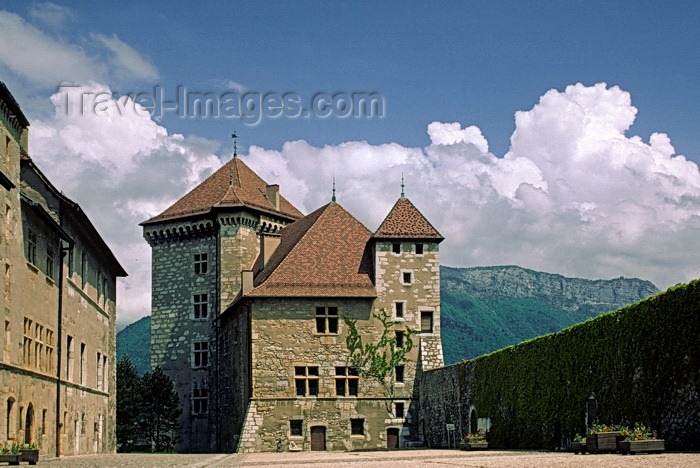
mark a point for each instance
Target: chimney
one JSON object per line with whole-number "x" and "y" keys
{"x": 272, "y": 193}
{"x": 268, "y": 244}
{"x": 246, "y": 281}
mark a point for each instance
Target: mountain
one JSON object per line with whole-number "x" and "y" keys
{"x": 135, "y": 341}
{"x": 483, "y": 309}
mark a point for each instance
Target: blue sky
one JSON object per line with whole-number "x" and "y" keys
{"x": 440, "y": 63}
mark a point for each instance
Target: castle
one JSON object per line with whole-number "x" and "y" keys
{"x": 58, "y": 287}
{"x": 249, "y": 309}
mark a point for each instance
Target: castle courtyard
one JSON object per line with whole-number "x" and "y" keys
{"x": 398, "y": 458}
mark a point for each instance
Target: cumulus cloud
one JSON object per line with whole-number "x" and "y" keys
{"x": 574, "y": 194}
{"x": 50, "y": 14}
{"x": 126, "y": 58}
{"x": 122, "y": 170}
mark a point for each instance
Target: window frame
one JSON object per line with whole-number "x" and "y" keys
{"x": 419, "y": 246}
{"x": 423, "y": 312}
{"x": 349, "y": 378}
{"x": 326, "y": 320}
{"x": 410, "y": 279}
{"x": 399, "y": 374}
{"x": 200, "y": 306}
{"x": 32, "y": 246}
{"x": 200, "y": 357}
{"x": 293, "y": 423}
{"x": 309, "y": 380}
{"x": 200, "y": 400}
{"x": 200, "y": 263}
{"x": 357, "y": 427}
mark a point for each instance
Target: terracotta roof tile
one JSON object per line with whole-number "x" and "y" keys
{"x": 321, "y": 255}
{"x": 233, "y": 185}
{"x": 405, "y": 221}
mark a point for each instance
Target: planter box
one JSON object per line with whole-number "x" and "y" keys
{"x": 478, "y": 446}
{"x": 578, "y": 447}
{"x": 29, "y": 455}
{"x": 11, "y": 459}
{"x": 637, "y": 446}
{"x": 598, "y": 442}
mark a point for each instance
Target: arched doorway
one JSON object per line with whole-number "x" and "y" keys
{"x": 29, "y": 424}
{"x": 472, "y": 422}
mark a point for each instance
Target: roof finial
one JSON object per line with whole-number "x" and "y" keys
{"x": 333, "y": 198}
{"x": 235, "y": 144}
{"x": 402, "y": 187}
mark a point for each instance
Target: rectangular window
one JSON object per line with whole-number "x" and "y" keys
{"x": 399, "y": 339}
{"x": 327, "y": 320}
{"x": 398, "y": 371}
{"x": 8, "y": 340}
{"x": 419, "y": 249}
{"x": 296, "y": 427}
{"x": 50, "y": 262}
{"x": 399, "y": 411}
{"x": 83, "y": 369}
{"x": 200, "y": 357}
{"x": 27, "y": 343}
{"x": 43, "y": 422}
{"x": 200, "y": 400}
{"x": 200, "y": 264}
{"x": 49, "y": 351}
{"x": 99, "y": 286}
{"x": 99, "y": 371}
{"x": 357, "y": 426}
{"x": 306, "y": 380}
{"x": 38, "y": 346}
{"x": 201, "y": 306}
{"x": 346, "y": 381}
{"x": 69, "y": 359}
{"x": 426, "y": 322}
{"x": 406, "y": 277}
{"x": 396, "y": 248}
{"x": 398, "y": 308}
{"x": 31, "y": 247}
{"x": 105, "y": 375}
{"x": 83, "y": 269}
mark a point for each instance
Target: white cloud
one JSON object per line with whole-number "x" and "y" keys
{"x": 50, "y": 14}
{"x": 126, "y": 58}
{"x": 574, "y": 195}
{"x": 121, "y": 170}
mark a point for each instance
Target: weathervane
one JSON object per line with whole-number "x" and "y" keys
{"x": 402, "y": 187}
{"x": 235, "y": 144}
{"x": 333, "y": 198}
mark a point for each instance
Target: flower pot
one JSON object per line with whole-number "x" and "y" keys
{"x": 12, "y": 459}
{"x": 578, "y": 447}
{"x": 599, "y": 442}
{"x": 478, "y": 445}
{"x": 637, "y": 446}
{"x": 29, "y": 455}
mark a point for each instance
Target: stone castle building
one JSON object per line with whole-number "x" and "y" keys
{"x": 250, "y": 299}
{"x": 58, "y": 287}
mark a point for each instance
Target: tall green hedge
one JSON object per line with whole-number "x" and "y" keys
{"x": 642, "y": 364}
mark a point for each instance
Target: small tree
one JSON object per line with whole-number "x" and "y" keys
{"x": 128, "y": 404}
{"x": 378, "y": 360}
{"x": 160, "y": 410}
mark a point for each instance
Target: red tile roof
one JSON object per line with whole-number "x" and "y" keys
{"x": 233, "y": 185}
{"x": 321, "y": 255}
{"x": 405, "y": 221}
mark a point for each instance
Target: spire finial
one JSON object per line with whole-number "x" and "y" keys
{"x": 333, "y": 198}
{"x": 402, "y": 187}
{"x": 235, "y": 144}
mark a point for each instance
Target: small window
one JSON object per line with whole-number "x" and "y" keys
{"x": 50, "y": 261}
{"x": 200, "y": 357}
{"x": 200, "y": 400}
{"x": 406, "y": 277}
{"x": 426, "y": 322}
{"x": 398, "y": 370}
{"x": 399, "y": 309}
{"x": 201, "y": 306}
{"x": 296, "y": 427}
{"x": 399, "y": 339}
{"x": 327, "y": 320}
{"x": 419, "y": 249}
{"x": 396, "y": 248}
{"x": 357, "y": 426}
{"x": 31, "y": 247}
{"x": 399, "y": 410}
{"x": 346, "y": 381}
{"x": 306, "y": 380}
{"x": 200, "y": 263}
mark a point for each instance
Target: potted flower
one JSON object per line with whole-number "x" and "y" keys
{"x": 477, "y": 441}
{"x": 29, "y": 453}
{"x": 641, "y": 439}
{"x": 578, "y": 444}
{"x": 603, "y": 438}
{"x": 10, "y": 455}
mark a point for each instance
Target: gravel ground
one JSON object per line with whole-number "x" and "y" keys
{"x": 401, "y": 458}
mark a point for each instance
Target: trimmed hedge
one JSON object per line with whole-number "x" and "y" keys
{"x": 642, "y": 364}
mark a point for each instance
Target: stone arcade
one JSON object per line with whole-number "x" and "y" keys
{"x": 249, "y": 301}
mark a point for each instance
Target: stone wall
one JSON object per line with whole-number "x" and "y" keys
{"x": 640, "y": 363}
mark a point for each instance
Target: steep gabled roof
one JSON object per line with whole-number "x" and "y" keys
{"x": 233, "y": 185}
{"x": 405, "y": 221}
{"x": 321, "y": 255}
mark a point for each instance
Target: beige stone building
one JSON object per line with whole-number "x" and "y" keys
{"x": 58, "y": 370}
{"x": 249, "y": 307}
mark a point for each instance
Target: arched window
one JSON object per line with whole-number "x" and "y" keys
{"x": 8, "y": 421}
{"x": 472, "y": 422}
{"x": 29, "y": 424}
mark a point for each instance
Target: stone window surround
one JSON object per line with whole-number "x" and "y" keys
{"x": 402, "y": 278}
{"x": 399, "y": 371}
{"x": 395, "y": 316}
{"x": 357, "y": 427}
{"x": 200, "y": 298}
{"x": 301, "y": 429}
{"x": 200, "y": 352}
{"x": 200, "y": 399}
{"x": 200, "y": 263}
{"x": 349, "y": 378}
{"x": 327, "y": 317}
{"x": 431, "y": 310}
{"x": 309, "y": 376}
{"x": 399, "y": 409}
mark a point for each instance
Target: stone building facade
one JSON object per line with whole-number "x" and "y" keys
{"x": 58, "y": 369}
{"x": 274, "y": 368}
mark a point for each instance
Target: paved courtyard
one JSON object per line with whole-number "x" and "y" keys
{"x": 401, "y": 458}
